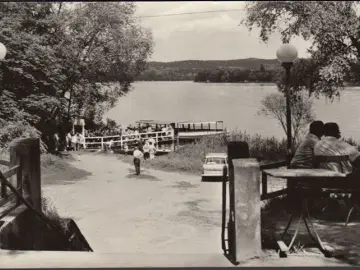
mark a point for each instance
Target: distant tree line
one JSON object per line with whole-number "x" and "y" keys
{"x": 235, "y": 75}
{"x": 216, "y": 74}
{"x": 168, "y": 74}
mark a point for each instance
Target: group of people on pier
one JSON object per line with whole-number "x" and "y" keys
{"x": 133, "y": 132}
{"x": 74, "y": 140}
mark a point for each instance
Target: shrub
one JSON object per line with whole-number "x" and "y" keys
{"x": 14, "y": 130}
{"x": 189, "y": 158}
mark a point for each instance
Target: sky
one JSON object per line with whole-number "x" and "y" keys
{"x": 208, "y": 36}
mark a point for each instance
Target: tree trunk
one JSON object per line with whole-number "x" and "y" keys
{"x": 70, "y": 101}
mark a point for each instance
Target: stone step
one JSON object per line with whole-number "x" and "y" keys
{"x": 67, "y": 259}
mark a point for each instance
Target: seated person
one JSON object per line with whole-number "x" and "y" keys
{"x": 304, "y": 155}
{"x": 332, "y": 145}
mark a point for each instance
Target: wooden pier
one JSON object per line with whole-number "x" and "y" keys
{"x": 165, "y": 141}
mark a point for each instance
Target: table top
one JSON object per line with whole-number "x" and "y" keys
{"x": 298, "y": 173}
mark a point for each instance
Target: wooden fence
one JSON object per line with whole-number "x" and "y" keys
{"x": 24, "y": 185}
{"x": 8, "y": 200}
{"x": 131, "y": 139}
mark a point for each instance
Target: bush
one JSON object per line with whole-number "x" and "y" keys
{"x": 14, "y": 130}
{"x": 189, "y": 158}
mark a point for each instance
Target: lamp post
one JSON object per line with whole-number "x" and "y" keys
{"x": 2, "y": 56}
{"x": 287, "y": 54}
{"x": 2, "y": 51}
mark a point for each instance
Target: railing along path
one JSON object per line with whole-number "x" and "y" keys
{"x": 121, "y": 140}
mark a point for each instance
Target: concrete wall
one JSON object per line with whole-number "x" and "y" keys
{"x": 22, "y": 230}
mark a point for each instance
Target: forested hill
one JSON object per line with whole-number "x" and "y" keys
{"x": 188, "y": 69}
{"x": 248, "y": 63}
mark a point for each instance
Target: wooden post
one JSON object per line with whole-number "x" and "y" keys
{"x": 102, "y": 143}
{"x": 173, "y": 140}
{"x": 16, "y": 180}
{"x": 26, "y": 152}
{"x": 263, "y": 184}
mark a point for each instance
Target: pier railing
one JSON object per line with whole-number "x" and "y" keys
{"x": 200, "y": 126}
{"x": 129, "y": 139}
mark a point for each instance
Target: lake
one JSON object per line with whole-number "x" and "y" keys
{"x": 236, "y": 104}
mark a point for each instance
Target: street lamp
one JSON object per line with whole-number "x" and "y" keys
{"x": 2, "y": 51}
{"x": 287, "y": 54}
{"x": 2, "y": 56}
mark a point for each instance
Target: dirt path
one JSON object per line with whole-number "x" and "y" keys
{"x": 156, "y": 212}
{"x": 152, "y": 213}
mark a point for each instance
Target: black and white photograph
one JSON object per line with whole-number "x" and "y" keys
{"x": 179, "y": 134}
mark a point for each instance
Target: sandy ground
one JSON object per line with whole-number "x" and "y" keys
{"x": 157, "y": 211}
{"x": 154, "y": 213}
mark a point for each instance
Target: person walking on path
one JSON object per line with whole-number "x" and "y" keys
{"x": 137, "y": 155}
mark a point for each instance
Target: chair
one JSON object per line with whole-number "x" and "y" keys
{"x": 338, "y": 159}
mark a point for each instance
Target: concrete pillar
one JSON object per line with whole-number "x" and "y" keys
{"x": 246, "y": 188}
{"x": 27, "y": 152}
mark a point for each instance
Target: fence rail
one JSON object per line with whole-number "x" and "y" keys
{"x": 4, "y": 162}
{"x": 7, "y": 199}
{"x": 121, "y": 140}
{"x": 276, "y": 190}
{"x": 24, "y": 167}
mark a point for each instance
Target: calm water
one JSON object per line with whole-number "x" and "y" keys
{"x": 235, "y": 104}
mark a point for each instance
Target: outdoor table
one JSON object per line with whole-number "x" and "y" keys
{"x": 298, "y": 181}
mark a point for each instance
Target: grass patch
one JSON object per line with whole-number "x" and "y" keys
{"x": 49, "y": 210}
{"x": 57, "y": 168}
{"x": 54, "y": 168}
{"x": 189, "y": 158}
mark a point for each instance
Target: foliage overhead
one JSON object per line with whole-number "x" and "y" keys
{"x": 78, "y": 57}
{"x": 331, "y": 26}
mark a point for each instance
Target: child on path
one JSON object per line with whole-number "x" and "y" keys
{"x": 137, "y": 155}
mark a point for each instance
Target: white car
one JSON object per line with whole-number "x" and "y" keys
{"x": 214, "y": 164}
